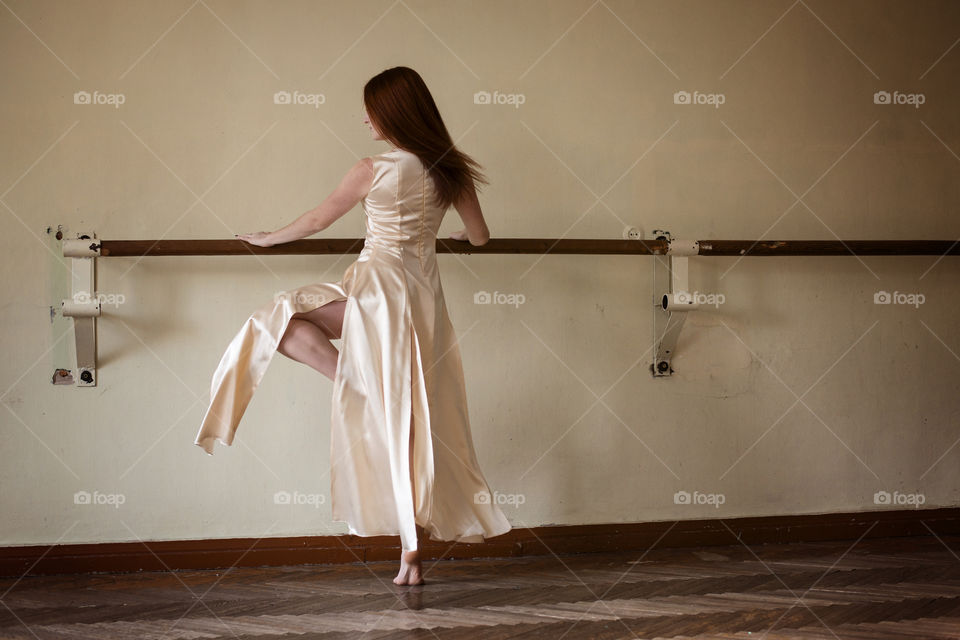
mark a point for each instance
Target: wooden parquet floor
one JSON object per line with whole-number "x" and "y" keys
{"x": 877, "y": 589}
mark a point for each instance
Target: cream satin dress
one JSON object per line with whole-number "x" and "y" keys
{"x": 399, "y": 360}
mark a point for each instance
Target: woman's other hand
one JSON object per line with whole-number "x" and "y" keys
{"x": 460, "y": 235}
{"x": 260, "y": 238}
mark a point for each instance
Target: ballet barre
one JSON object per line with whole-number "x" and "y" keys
{"x": 565, "y": 246}
{"x": 672, "y": 298}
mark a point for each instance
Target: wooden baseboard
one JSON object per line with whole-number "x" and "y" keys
{"x": 251, "y": 552}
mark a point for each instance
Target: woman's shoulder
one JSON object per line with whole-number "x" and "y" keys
{"x": 393, "y": 159}
{"x": 385, "y": 158}
{"x": 377, "y": 164}
{"x": 363, "y": 167}
{"x": 377, "y": 167}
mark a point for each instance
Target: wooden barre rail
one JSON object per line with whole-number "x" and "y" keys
{"x": 584, "y": 246}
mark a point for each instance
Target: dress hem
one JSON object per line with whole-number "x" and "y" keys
{"x": 476, "y": 538}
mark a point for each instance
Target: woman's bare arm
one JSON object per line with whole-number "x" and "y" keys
{"x": 354, "y": 186}
{"x": 476, "y": 231}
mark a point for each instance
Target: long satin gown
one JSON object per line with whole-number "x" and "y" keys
{"x": 399, "y": 368}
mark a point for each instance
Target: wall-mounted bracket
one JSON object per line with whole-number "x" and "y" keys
{"x": 671, "y": 299}
{"x": 84, "y": 305}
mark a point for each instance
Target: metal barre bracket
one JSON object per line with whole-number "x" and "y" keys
{"x": 84, "y": 305}
{"x": 672, "y": 299}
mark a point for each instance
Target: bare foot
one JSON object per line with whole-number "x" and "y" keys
{"x": 409, "y": 569}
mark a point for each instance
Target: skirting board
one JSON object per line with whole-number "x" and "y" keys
{"x": 223, "y": 553}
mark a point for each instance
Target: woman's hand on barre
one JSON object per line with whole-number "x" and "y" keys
{"x": 260, "y": 238}
{"x": 460, "y": 235}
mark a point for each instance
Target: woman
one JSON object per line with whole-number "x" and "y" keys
{"x": 402, "y": 455}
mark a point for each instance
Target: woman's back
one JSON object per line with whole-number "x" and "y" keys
{"x": 400, "y": 206}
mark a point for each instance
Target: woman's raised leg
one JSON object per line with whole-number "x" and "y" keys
{"x": 308, "y": 335}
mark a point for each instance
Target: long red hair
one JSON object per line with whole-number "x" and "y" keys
{"x": 402, "y": 109}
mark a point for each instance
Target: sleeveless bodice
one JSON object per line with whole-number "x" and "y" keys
{"x": 400, "y": 209}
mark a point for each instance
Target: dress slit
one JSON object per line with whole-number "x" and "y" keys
{"x": 248, "y": 355}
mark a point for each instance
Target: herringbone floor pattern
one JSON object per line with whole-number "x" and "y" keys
{"x": 878, "y": 589}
